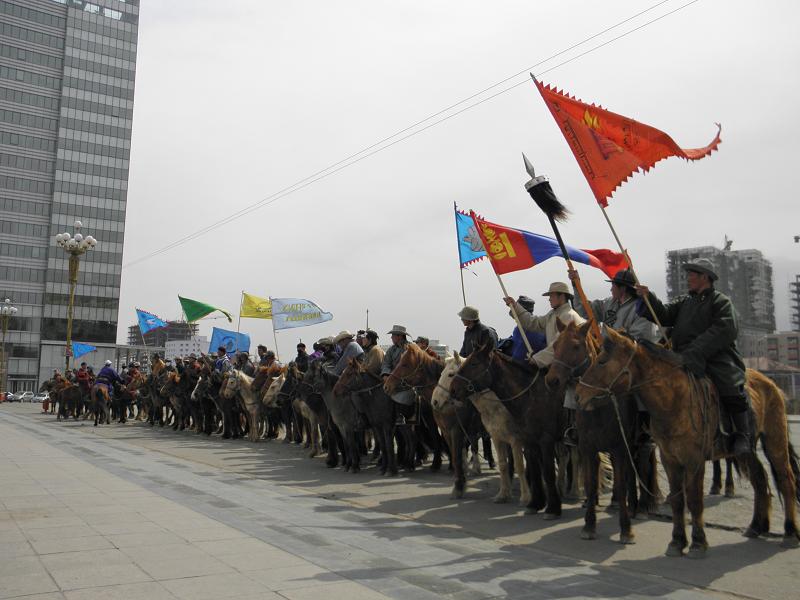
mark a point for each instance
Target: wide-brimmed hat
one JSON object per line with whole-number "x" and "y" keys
{"x": 702, "y": 265}
{"x": 558, "y": 287}
{"x": 526, "y": 303}
{"x": 422, "y": 338}
{"x": 469, "y": 313}
{"x": 343, "y": 335}
{"x": 326, "y": 341}
{"x": 398, "y": 330}
{"x": 623, "y": 277}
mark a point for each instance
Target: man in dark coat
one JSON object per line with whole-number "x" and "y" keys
{"x": 704, "y": 331}
{"x": 476, "y": 334}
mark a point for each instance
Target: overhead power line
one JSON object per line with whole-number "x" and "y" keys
{"x": 417, "y": 127}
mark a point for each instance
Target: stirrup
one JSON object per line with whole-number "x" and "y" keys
{"x": 570, "y": 436}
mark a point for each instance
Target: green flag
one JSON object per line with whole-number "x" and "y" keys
{"x": 195, "y": 310}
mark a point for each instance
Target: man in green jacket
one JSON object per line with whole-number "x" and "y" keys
{"x": 704, "y": 331}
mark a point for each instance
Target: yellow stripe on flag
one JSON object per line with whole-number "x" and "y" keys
{"x": 254, "y": 307}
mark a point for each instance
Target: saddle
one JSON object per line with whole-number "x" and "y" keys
{"x": 704, "y": 390}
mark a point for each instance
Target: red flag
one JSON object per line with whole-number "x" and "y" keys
{"x": 512, "y": 249}
{"x": 609, "y": 147}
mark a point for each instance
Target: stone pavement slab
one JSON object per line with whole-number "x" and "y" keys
{"x": 185, "y": 509}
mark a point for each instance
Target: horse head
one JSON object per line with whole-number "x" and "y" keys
{"x": 230, "y": 384}
{"x": 613, "y": 372}
{"x": 351, "y": 379}
{"x": 474, "y": 374}
{"x": 574, "y": 350}
{"x": 441, "y": 393}
{"x": 271, "y": 396}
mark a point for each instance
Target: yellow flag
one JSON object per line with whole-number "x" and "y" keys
{"x": 254, "y": 307}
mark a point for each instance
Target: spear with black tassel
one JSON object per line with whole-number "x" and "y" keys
{"x": 544, "y": 197}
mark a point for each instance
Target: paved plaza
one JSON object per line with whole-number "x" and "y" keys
{"x": 126, "y": 511}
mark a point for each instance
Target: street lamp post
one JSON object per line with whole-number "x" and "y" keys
{"x": 76, "y": 246}
{"x": 6, "y": 312}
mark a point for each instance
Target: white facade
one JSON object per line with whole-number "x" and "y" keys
{"x": 182, "y": 348}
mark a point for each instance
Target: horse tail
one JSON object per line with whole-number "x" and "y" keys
{"x": 794, "y": 461}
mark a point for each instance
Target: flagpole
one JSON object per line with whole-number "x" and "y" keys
{"x": 515, "y": 315}
{"x": 241, "y": 303}
{"x": 274, "y": 333}
{"x": 458, "y": 247}
{"x": 633, "y": 272}
{"x": 367, "y": 319}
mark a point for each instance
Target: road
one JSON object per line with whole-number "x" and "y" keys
{"x": 351, "y": 536}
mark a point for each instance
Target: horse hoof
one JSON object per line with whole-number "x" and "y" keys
{"x": 588, "y": 535}
{"x": 729, "y": 493}
{"x": 674, "y": 551}
{"x": 790, "y": 541}
{"x": 627, "y": 539}
{"x": 697, "y": 551}
{"x": 501, "y": 499}
{"x": 714, "y": 491}
{"x": 751, "y": 532}
{"x": 550, "y": 516}
{"x": 531, "y": 510}
{"x": 456, "y": 494}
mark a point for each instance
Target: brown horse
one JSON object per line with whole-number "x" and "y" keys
{"x": 602, "y": 430}
{"x": 684, "y": 419}
{"x": 540, "y": 411}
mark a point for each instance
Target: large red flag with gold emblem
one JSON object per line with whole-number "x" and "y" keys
{"x": 609, "y": 147}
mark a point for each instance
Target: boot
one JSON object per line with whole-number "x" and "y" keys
{"x": 743, "y": 435}
{"x": 571, "y": 432}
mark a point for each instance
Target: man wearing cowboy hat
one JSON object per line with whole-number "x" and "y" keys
{"x": 348, "y": 349}
{"x": 476, "y": 334}
{"x": 622, "y": 310}
{"x": 560, "y": 296}
{"x": 392, "y": 357}
{"x": 704, "y": 331}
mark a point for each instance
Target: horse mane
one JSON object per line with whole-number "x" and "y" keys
{"x": 427, "y": 360}
{"x": 661, "y": 353}
{"x": 523, "y": 366}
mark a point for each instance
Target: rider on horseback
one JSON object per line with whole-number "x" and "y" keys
{"x": 704, "y": 331}
{"x": 107, "y": 377}
{"x": 475, "y": 332}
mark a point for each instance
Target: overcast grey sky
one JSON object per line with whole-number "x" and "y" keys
{"x": 236, "y": 100}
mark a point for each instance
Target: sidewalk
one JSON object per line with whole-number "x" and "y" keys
{"x": 71, "y": 530}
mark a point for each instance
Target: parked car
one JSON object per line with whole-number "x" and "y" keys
{"x": 41, "y": 397}
{"x": 11, "y": 397}
{"x": 25, "y": 397}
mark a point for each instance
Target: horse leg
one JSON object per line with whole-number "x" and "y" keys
{"x": 457, "y": 456}
{"x": 675, "y": 474}
{"x": 623, "y": 474}
{"x": 716, "y": 479}
{"x": 761, "y": 504}
{"x": 504, "y": 493}
{"x": 553, "y": 508}
{"x": 518, "y": 465}
{"x": 533, "y": 471}
{"x": 783, "y": 462}
{"x": 486, "y": 440}
{"x": 729, "y": 489}
{"x": 694, "y": 499}
{"x": 591, "y": 467}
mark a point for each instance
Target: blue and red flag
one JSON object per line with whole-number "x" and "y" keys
{"x": 512, "y": 249}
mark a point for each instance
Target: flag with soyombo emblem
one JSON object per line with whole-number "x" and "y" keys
{"x": 609, "y": 147}
{"x": 148, "y": 321}
{"x": 254, "y": 307}
{"x": 232, "y": 341}
{"x": 514, "y": 250}
{"x": 195, "y": 310}
{"x": 288, "y": 313}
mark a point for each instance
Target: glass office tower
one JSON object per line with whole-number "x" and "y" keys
{"x": 67, "y": 72}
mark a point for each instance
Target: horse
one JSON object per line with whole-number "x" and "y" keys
{"x": 606, "y": 429}
{"x": 126, "y": 398}
{"x": 101, "y": 402}
{"x": 342, "y": 417}
{"x": 684, "y": 420}
{"x": 203, "y": 396}
{"x": 273, "y": 415}
{"x": 365, "y": 391}
{"x": 499, "y": 422}
{"x": 540, "y": 411}
{"x": 306, "y": 405}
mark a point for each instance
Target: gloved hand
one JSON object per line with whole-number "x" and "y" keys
{"x": 694, "y": 363}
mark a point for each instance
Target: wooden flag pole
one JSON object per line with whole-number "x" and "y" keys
{"x": 635, "y": 277}
{"x": 515, "y": 315}
{"x": 274, "y": 333}
{"x": 241, "y": 303}
{"x": 458, "y": 247}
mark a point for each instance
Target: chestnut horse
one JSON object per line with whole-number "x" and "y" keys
{"x": 602, "y": 430}
{"x": 684, "y": 420}
{"x": 540, "y": 411}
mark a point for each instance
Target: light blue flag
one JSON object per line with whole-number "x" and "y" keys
{"x": 296, "y": 312}
{"x": 79, "y": 349}
{"x": 148, "y": 321}
{"x": 470, "y": 247}
{"x": 233, "y": 341}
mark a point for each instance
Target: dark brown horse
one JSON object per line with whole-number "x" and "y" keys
{"x": 366, "y": 392}
{"x": 684, "y": 421}
{"x": 527, "y": 398}
{"x": 602, "y": 430}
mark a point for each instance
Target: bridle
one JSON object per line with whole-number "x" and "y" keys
{"x": 471, "y": 389}
{"x": 608, "y": 390}
{"x": 574, "y": 371}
